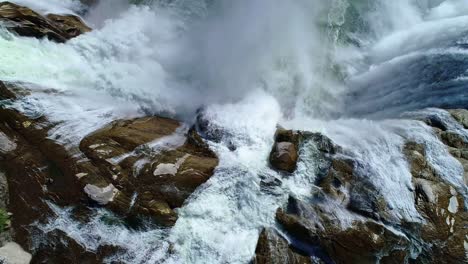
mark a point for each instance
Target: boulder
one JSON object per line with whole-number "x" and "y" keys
{"x": 442, "y": 207}
{"x": 347, "y": 219}
{"x": 461, "y": 115}
{"x": 150, "y": 165}
{"x": 363, "y": 241}
{"x": 284, "y": 154}
{"x": 59, "y": 248}
{"x": 274, "y": 249}
{"x": 71, "y": 26}
{"x": 28, "y": 23}
{"x": 457, "y": 143}
{"x": 39, "y": 172}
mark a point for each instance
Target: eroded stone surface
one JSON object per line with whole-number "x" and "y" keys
{"x": 347, "y": 220}
{"x": 102, "y": 195}
{"x": 26, "y": 22}
{"x": 160, "y": 179}
{"x": 461, "y": 115}
{"x": 274, "y": 249}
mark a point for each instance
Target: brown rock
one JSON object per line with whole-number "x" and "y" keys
{"x": 71, "y": 25}
{"x": 149, "y": 182}
{"x": 461, "y": 115}
{"x": 284, "y": 156}
{"x": 274, "y": 249}
{"x": 453, "y": 139}
{"x": 442, "y": 207}
{"x": 26, "y": 22}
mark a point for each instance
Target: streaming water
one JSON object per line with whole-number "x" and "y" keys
{"x": 341, "y": 67}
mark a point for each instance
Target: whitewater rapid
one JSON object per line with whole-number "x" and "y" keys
{"x": 355, "y": 76}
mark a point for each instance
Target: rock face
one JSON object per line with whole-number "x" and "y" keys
{"x": 461, "y": 115}
{"x": 442, "y": 206}
{"x": 347, "y": 220}
{"x": 71, "y": 26}
{"x": 143, "y": 167}
{"x": 147, "y": 181}
{"x": 274, "y": 249}
{"x": 26, "y": 22}
{"x": 284, "y": 154}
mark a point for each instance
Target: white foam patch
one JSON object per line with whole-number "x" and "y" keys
{"x": 51, "y": 6}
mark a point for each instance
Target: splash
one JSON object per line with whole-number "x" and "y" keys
{"x": 310, "y": 65}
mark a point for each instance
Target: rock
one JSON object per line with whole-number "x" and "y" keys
{"x": 284, "y": 154}
{"x": 3, "y": 190}
{"x": 347, "y": 219}
{"x": 26, "y": 22}
{"x": 151, "y": 182}
{"x": 454, "y": 140}
{"x": 12, "y": 253}
{"x": 364, "y": 241}
{"x": 457, "y": 144}
{"x": 102, "y": 195}
{"x": 439, "y": 203}
{"x": 5, "y": 230}
{"x": 273, "y": 249}
{"x": 60, "y": 248}
{"x": 71, "y": 25}
{"x": 461, "y": 115}
{"x": 39, "y": 171}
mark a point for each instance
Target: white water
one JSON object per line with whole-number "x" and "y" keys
{"x": 252, "y": 64}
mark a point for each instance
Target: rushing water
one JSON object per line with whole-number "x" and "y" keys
{"x": 341, "y": 67}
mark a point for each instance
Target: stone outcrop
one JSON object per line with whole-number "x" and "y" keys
{"x": 71, "y": 26}
{"x": 347, "y": 220}
{"x": 317, "y": 226}
{"x": 442, "y": 207}
{"x": 118, "y": 169}
{"x": 274, "y": 249}
{"x": 38, "y": 171}
{"x": 284, "y": 154}
{"x": 461, "y": 115}
{"x": 148, "y": 182}
{"x": 26, "y": 22}
{"x": 457, "y": 144}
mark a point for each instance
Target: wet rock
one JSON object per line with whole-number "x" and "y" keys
{"x": 461, "y": 115}
{"x": 39, "y": 172}
{"x": 440, "y": 204}
{"x": 361, "y": 241}
{"x": 457, "y": 143}
{"x": 454, "y": 140}
{"x": 211, "y": 131}
{"x": 284, "y": 154}
{"x": 102, "y": 195}
{"x": 208, "y": 129}
{"x": 347, "y": 220}
{"x": 274, "y": 249}
{"x": 71, "y": 25}
{"x": 149, "y": 181}
{"x": 5, "y": 229}
{"x": 60, "y": 248}
{"x": 28, "y": 23}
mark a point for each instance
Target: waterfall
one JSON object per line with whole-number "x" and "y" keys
{"x": 356, "y": 71}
